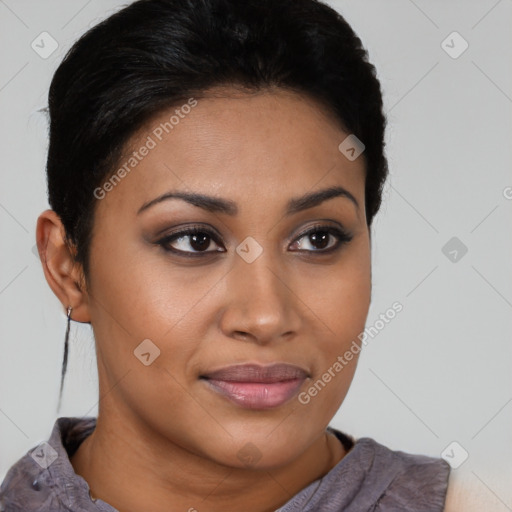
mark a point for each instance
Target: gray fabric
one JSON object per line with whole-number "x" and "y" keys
{"x": 370, "y": 478}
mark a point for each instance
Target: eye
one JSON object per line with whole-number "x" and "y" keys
{"x": 322, "y": 238}
{"x": 190, "y": 242}
{"x": 195, "y": 241}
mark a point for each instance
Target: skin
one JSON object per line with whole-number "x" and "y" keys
{"x": 162, "y": 436}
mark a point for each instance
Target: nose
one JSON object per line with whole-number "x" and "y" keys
{"x": 260, "y": 305}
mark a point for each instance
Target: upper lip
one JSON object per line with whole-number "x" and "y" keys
{"x": 276, "y": 372}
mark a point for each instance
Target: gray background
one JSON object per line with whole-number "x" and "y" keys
{"x": 437, "y": 373}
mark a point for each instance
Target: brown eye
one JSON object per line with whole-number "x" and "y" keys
{"x": 322, "y": 239}
{"x": 190, "y": 242}
{"x": 319, "y": 239}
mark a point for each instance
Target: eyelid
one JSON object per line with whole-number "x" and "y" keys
{"x": 187, "y": 231}
{"x": 334, "y": 228}
{"x": 342, "y": 235}
{"x": 168, "y": 232}
{"x": 325, "y": 225}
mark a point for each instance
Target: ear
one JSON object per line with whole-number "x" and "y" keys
{"x": 63, "y": 274}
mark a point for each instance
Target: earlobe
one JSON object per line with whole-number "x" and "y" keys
{"x": 61, "y": 271}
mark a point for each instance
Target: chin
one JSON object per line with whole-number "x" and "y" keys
{"x": 260, "y": 452}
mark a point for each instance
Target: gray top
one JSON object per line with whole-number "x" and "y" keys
{"x": 370, "y": 477}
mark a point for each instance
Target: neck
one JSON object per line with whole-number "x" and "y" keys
{"x": 133, "y": 469}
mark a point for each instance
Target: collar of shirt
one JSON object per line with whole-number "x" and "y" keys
{"x": 369, "y": 477}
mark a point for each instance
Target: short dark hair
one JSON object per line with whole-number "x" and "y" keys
{"x": 155, "y": 54}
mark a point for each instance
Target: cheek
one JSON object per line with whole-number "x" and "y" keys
{"x": 341, "y": 299}
{"x": 339, "y": 295}
{"x": 347, "y": 304}
{"x": 138, "y": 290}
{"x": 325, "y": 393}
{"x": 344, "y": 313}
{"x": 138, "y": 296}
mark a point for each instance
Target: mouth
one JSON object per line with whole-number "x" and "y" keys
{"x": 253, "y": 386}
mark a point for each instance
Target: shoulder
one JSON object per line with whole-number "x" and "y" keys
{"x": 405, "y": 481}
{"x": 23, "y": 487}
{"x": 41, "y": 479}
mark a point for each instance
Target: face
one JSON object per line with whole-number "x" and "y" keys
{"x": 268, "y": 272}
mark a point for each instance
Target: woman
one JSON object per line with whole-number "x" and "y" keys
{"x": 214, "y": 168}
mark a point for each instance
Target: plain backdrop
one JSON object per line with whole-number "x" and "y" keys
{"x": 440, "y": 371}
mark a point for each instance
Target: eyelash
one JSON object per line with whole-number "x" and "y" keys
{"x": 342, "y": 238}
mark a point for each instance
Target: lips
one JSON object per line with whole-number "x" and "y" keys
{"x": 254, "y": 386}
{"x": 256, "y": 373}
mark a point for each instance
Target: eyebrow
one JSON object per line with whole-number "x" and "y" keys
{"x": 228, "y": 207}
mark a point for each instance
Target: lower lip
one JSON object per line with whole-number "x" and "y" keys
{"x": 256, "y": 395}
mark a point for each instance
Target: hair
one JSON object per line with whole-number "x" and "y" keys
{"x": 154, "y": 54}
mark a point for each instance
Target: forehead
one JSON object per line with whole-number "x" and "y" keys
{"x": 265, "y": 146}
